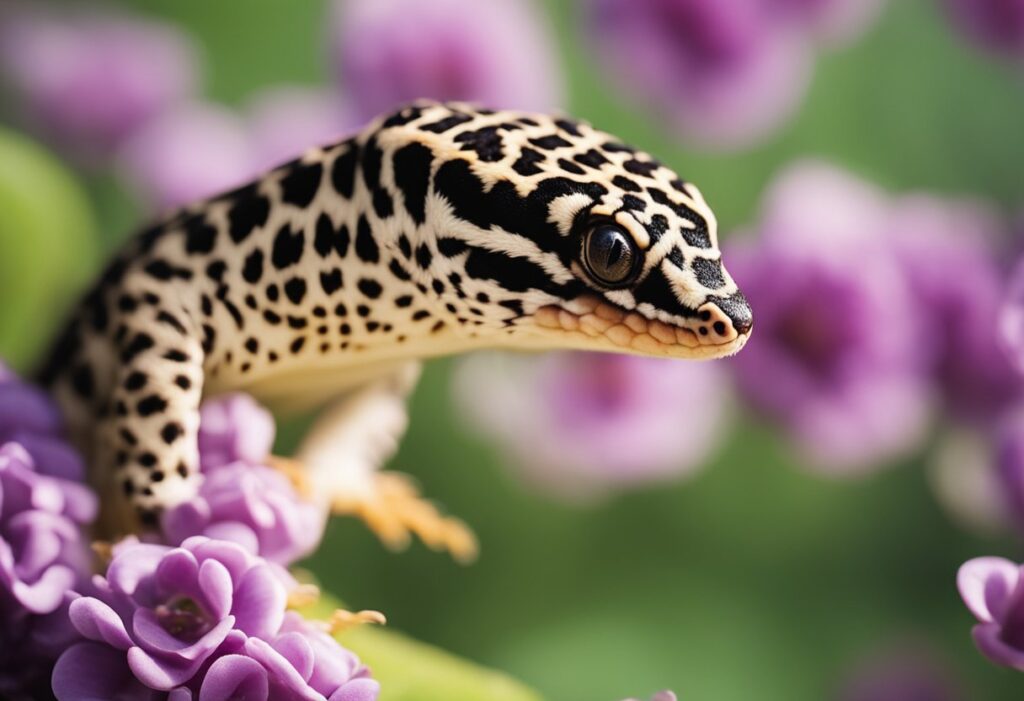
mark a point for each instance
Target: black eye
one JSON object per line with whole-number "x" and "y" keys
{"x": 610, "y": 255}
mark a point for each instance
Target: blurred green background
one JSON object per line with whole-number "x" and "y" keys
{"x": 754, "y": 580}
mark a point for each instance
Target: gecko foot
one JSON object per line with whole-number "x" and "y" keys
{"x": 395, "y": 511}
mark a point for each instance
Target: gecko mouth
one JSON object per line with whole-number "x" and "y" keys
{"x": 590, "y": 322}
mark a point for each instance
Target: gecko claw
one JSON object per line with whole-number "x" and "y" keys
{"x": 396, "y": 512}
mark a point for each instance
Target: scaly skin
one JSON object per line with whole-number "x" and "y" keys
{"x": 439, "y": 229}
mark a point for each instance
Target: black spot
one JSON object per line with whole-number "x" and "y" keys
{"x": 404, "y": 246}
{"x": 592, "y": 158}
{"x": 147, "y": 459}
{"x": 656, "y": 228}
{"x": 129, "y": 487}
{"x": 252, "y": 270}
{"x": 708, "y": 272}
{"x": 341, "y": 309}
{"x": 403, "y": 301}
{"x": 209, "y": 337}
{"x": 126, "y": 303}
{"x": 343, "y": 172}
{"x": 643, "y": 168}
{"x": 300, "y": 185}
{"x": 570, "y": 167}
{"x": 139, "y": 343}
{"x": 181, "y": 470}
{"x": 297, "y": 322}
{"x": 366, "y": 245}
{"x": 183, "y": 382}
{"x": 272, "y": 356}
{"x": 206, "y": 305}
{"x": 424, "y": 256}
{"x": 618, "y": 147}
{"x": 176, "y": 356}
{"x": 162, "y": 270}
{"x": 633, "y": 202}
{"x": 135, "y": 381}
{"x": 271, "y": 317}
{"x": 252, "y": 345}
{"x": 329, "y": 238}
{"x": 527, "y": 162}
{"x": 449, "y": 247}
{"x": 438, "y": 286}
{"x": 216, "y": 269}
{"x": 344, "y": 329}
{"x": 657, "y": 291}
{"x": 363, "y": 310}
{"x": 250, "y": 301}
{"x": 371, "y": 163}
{"x": 331, "y": 281}
{"x": 549, "y": 143}
{"x": 412, "y": 176}
{"x": 372, "y": 326}
{"x": 297, "y": 344}
{"x": 403, "y": 116}
{"x": 370, "y": 288}
{"x": 569, "y": 126}
{"x": 200, "y": 237}
{"x": 288, "y": 247}
{"x": 675, "y": 256}
{"x": 249, "y": 211}
{"x": 624, "y": 183}
{"x": 485, "y": 142}
{"x": 295, "y": 290}
{"x": 151, "y": 405}
{"x": 165, "y": 317}
{"x": 273, "y": 292}
{"x": 719, "y": 327}
{"x": 420, "y": 315}
{"x": 698, "y": 236}
{"x": 382, "y": 203}
{"x": 157, "y": 476}
{"x": 513, "y": 273}
{"x": 82, "y": 381}
{"x": 319, "y": 311}
{"x": 443, "y": 125}
{"x": 398, "y": 271}
{"x": 513, "y": 305}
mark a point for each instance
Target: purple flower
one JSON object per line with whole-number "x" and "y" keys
{"x": 948, "y": 251}
{"x": 831, "y": 21}
{"x": 241, "y": 499}
{"x": 30, "y": 418}
{"x": 234, "y": 428}
{"x": 92, "y": 80}
{"x": 834, "y": 358}
{"x": 205, "y": 620}
{"x": 499, "y": 53}
{"x": 582, "y": 423}
{"x": 188, "y": 152}
{"x": 285, "y": 121}
{"x": 993, "y": 590}
{"x": 1009, "y": 467}
{"x": 1011, "y": 318}
{"x": 724, "y": 74}
{"x": 997, "y": 25}
{"x": 900, "y": 674}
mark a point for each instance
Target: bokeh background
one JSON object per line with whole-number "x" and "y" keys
{"x": 783, "y": 525}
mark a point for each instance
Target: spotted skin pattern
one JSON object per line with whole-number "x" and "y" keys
{"x": 439, "y": 229}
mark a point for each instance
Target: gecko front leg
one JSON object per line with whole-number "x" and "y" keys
{"x": 343, "y": 452}
{"x": 147, "y": 438}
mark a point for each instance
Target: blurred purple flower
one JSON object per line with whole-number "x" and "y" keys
{"x": 993, "y": 590}
{"x": 582, "y": 423}
{"x": 910, "y": 674}
{"x": 1011, "y": 318}
{"x": 287, "y": 120}
{"x": 499, "y": 53}
{"x": 92, "y": 80}
{"x": 724, "y": 74}
{"x": 948, "y": 251}
{"x": 1009, "y": 467}
{"x": 834, "y": 357}
{"x": 830, "y": 21}
{"x": 188, "y": 152}
{"x": 232, "y": 428}
{"x": 996, "y": 25}
{"x": 241, "y": 499}
{"x": 661, "y": 696}
{"x": 203, "y": 620}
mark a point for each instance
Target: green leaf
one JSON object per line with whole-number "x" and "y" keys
{"x": 48, "y": 248}
{"x": 409, "y": 670}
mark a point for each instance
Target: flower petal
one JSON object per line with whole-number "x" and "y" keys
{"x": 97, "y": 621}
{"x": 235, "y": 677}
{"x": 985, "y": 584}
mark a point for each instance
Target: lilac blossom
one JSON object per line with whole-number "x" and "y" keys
{"x": 996, "y": 25}
{"x": 835, "y": 358}
{"x": 993, "y": 589}
{"x": 241, "y": 499}
{"x": 949, "y": 252}
{"x": 579, "y": 424}
{"x": 205, "y": 620}
{"x": 43, "y": 552}
{"x": 188, "y": 152}
{"x": 285, "y": 121}
{"x": 722, "y": 74}
{"x": 499, "y": 53}
{"x": 90, "y": 81}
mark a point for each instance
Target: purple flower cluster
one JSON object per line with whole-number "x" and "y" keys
{"x": 995, "y": 25}
{"x": 43, "y": 553}
{"x": 846, "y": 282}
{"x": 993, "y": 590}
{"x": 205, "y": 620}
{"x": 242, "y": 499}
{"x": 724, "y": 74}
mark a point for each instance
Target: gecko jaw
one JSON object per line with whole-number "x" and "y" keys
{"x": 591, "y": 323}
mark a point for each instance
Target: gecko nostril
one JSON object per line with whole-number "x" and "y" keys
{"x": 719, "y": 328}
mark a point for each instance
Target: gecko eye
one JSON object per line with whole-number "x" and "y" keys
{"x": 609, "y": 255}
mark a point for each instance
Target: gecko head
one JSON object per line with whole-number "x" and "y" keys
{"x": 543, "y": 232}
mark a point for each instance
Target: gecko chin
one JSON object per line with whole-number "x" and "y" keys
{"x": 592, "y": 323}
